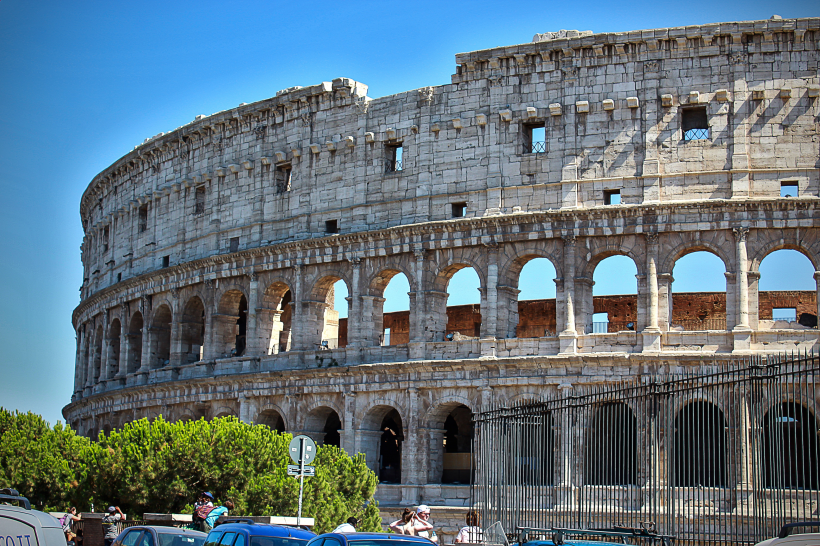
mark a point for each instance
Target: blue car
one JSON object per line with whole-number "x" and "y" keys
{"x": 247, "y": 533}
{"x": 367, "y": 539}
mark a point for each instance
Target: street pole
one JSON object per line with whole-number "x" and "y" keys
{"x": 301, "y": 479}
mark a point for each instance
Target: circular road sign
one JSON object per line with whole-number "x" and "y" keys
{"x": 295, "y": 449}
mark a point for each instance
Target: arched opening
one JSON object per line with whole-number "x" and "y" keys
{"x": 114, "y": 332}
{"x": 321, "y": 313}
{"x": 698, "y": 293}
{"x": 98, "y": 349}
{"x": 274, "y": 316}
{"x": 536, "y": 299}
{"x": 615, "y": 295}
{"x": 790, "y": 447}
{"x": 700, "y": 447}
{"x": 391, "y": 317}
{"x": 192, "y": 331}
{"x": 610, "y": 457}
{"x": 457, "y": 445}
{"x": 271, "y": 419}
{"x": 390, "y": 443}
{"x": 160, "y": 337}
{"x": 463, "y": 304}
{"x": 338, "y": 304}
{"x": 134, "y": 358}
{"x": 230, "y": 324}
{"x": 323, "y": 425}
{"x": 787, "y": 291}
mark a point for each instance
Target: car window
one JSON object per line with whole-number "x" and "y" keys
{"x": 330, "y": 541}
{"x": 213, "y": 538}
{"x": 283, "y": 541}
{"x": 227, "y": 538}
{"x": 146, "y": 539}
{"x": 240, "y": 540}
{"x": 179, "y": 539}
{"x": 131, "y": 537}
{"x": 381, "y": 542}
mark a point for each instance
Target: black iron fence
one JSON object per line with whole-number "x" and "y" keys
{"x": 723, "y": 457}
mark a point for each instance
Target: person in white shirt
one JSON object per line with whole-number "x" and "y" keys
{"x": 471, "y": 534}
{"x": 422, "y": 525}
{"x": 348, "y": 527}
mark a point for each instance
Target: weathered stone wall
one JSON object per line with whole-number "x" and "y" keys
{"x": 210, "y": 252}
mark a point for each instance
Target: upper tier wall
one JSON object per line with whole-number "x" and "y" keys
{"x": 611, "y": 106}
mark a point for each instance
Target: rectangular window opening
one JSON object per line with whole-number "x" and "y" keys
{"x": 331, "y": 226}
{"x": 199, "y": 200}
{"x": 789, "y": 189}
{"x": 143, "y": 218}
{"x": 612, "y": 197}
{"x": 166, "y": 261}
{"x": 234, "y": 242}
{"x": 600, "y": 323}
{"x": 395, "y": 158}
{"x": 282, "y": 177}
{"x": 784, "y": 313}
{"x": 105, "y": 239}
{"x": 535, "y": 138}
{"x": 386, "y": 337}
{"x": 119, "y": 277}
{"x": 459, "y": 209}
{"x": 695, "y": 124}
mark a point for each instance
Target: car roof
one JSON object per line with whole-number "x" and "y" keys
{"x": 570, "y": 542}
{"x": 267, "y": 530}
{"x": 376, "y": 536}
{"x": 166, "y": 529}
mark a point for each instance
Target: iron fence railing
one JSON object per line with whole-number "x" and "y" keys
{"x": 392, "y": 165}
{"x": 535, "y": 147}
{"x": 726, "y": 456}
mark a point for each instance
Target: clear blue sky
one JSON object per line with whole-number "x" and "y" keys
{"x": 82, "y": 83}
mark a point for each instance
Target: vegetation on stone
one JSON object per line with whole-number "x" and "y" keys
{"x": 161, "y": 467}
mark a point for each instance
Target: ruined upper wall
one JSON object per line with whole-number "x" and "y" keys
{"x": 611, "y": 106}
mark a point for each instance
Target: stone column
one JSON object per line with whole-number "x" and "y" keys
{"x": 569, "y": 336}
{"x": 125, "y": 321}
{"x": 297, "y": 326}
{"x": 652, "y": 333}
{"x": 253, "y": 346}
{"x": 78, "y": 362}
{"x": 145, "y": 309}
{"x": 246, "y": 409}
{"x": 665, "y": 281}
{"x": 208, "y": 352}
{"x": 493, "y": 319}
{"x": 653, "y": 116}
{"x": 742, "y": 331}
{"x": 411, "y": 454}
{"x": 89, "y": 359}
{"x": 359, "y": 329}
{"x": 347, "y": 439}
{"x": 175, "y": 356}
{"x": 371, "y": 325}
{"x": 754, "y": 302}
{"x": 817, "y": 283}
{"x": 745, "y": 487}
{"x": 105, "y": 364}
{"x": 738, "y": 120}
{"x": 417, "y": 336}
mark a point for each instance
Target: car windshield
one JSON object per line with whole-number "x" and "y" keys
{"x": 277, "y": 541}
{"x": 175, "y": 539}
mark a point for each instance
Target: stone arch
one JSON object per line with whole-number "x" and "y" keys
{"x": 540, "y": 318}
{"x": 230, "y": 323}
{"x": 323, "y": 424}
{"x": 381, "y": 438}
{"x": 273, "y": 417}
{"x": 159, "y": 336}
{"x": 525, "y": 398}
{"x": 223, "y": 411}
{"x": 707, "y": 310}
{"x": 612, "y": 428}
{"x": 134, "y": 356}
{"x": 373, "y": 320}
{"x": 687, "y": 245}
{"x": 451, "y": 433}
{"x": 114, "y": 338}
{"x": 453, "y": 265}
{"x": 699, "y": 446}
{"x": 320, "y": 319}
{"x": 192, "y": 330}
{"x": 619, "y": 311}
{"x": 790, "y": 446}
{"x": 764, "y": 244}
{"x": 600, "y": 248}
{"x": 448, "y": 315}
{"x": 275, "y": 318}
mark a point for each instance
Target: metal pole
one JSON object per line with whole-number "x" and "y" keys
{"x": 301, "y": 479}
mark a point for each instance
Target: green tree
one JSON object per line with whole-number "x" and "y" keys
{"x": 46, "y": 464}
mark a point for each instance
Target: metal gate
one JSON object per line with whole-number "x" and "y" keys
{"x": 723, "y": 457}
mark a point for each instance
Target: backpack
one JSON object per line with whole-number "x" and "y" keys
{"x": 65, "y": 523}
{"x": 202, "y": 512}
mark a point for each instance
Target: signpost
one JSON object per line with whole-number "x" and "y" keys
{"x": 302, "y": 451}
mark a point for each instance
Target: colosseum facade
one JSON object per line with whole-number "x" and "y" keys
{"x": 211, "y": 251}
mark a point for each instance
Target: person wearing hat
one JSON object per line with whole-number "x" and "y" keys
{"x": 422, "y": 524}
{"x": 202, "y": 507}
{"x": 109, "y": 523}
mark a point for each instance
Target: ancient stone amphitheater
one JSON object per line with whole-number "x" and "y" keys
{"x": 211, "y": 251}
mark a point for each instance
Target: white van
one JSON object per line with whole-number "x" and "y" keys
{"x": 22, "y": 526}
{"x": 786, "y": 538}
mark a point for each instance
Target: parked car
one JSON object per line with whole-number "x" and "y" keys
{"x": 245, "y": 532}
{"x": 158, "y": 535}
{"x": 367, "y": 539}
{"x": 787, "y": 536}
{"x": 22, "y": 525}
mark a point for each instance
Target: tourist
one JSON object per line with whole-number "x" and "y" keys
{"x": 422, "y": 524}
{"x": 214, "y": 514}
{"x": 66, "y": 521}
{"x": 109, "y": 523}
{"x": 348, "y": 527}
{"x": 405, "y": 524}
{"x": 470, "y": 534}
{"x": 202, "y": 507}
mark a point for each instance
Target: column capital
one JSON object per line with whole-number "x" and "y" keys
{"x": 356, "y": 261}
{"x": 740, "y": 233}
{"x": 651, "y": 238}
{"x": 569, "y": 239}
{"x": 419, "y": 252}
